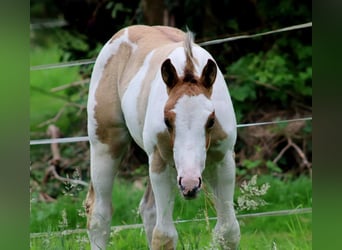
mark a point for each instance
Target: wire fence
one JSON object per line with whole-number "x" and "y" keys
{"x": 46, "y": 24}
{"x": 216, "y": 41}
{"x": 63, "y": 64}
{"x": 86, "y": 138}
{"x": 234, "y": 38}
{"x": 134, "y": 226}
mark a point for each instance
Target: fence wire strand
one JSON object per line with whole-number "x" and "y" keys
{"x": 216, "y": 41}
{"x": 134, "y": 226}
{"x": 63, "y": 64}
{"x": 86, "y": 138}
{"x": 273, "y": 122}
{"x": 48, "y": 24}
{"x": 234, "y": 38}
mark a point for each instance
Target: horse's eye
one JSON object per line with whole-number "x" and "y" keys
{"x": 210, "y": 123}
{"x": 168, "y": 123}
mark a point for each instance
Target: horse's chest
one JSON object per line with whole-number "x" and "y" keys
{"x": 134, "y": 102}
{"x": 133, "y": 111}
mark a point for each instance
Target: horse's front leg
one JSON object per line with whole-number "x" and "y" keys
{"x": 99, "y": 197}
{"x": 164, "y": 233}
{"x": 222, "y": 180}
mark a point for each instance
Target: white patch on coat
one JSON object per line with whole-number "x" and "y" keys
{"x": 154, "y": 120}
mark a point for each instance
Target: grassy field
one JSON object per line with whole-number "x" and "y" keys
{"x": 278, "y": 232}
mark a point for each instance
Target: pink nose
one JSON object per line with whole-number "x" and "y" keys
{"x": 189, "y": 186}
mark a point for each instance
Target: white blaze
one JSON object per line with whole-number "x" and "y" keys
{"x": 190, "y": 137}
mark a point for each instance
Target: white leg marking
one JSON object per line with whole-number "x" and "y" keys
{"x": 164, "y": 194}
{"x": 222, "y": 180}
{"x": 102, "y": 176}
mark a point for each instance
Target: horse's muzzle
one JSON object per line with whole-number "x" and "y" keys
{"x": 189, "y": 186}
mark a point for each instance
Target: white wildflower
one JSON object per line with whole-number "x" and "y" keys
{"x": 251, "y": 195}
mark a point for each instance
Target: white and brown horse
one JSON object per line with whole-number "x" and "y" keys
{"x": 155, "y": 86}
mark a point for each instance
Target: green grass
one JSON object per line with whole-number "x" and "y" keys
{"x": 282, "y": 232}
{"x": 196, "y": 236}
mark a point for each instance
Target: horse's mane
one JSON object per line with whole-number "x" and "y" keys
{"x": 189, "y": 66}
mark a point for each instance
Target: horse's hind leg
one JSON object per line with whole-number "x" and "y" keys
{"x": 147, "y": 211}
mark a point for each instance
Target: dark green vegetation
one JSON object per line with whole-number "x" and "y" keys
{"x": 269, "y": 78}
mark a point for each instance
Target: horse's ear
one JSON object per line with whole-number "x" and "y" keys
{"x": 169, "y": 74}
{"x": 209, "y": 74}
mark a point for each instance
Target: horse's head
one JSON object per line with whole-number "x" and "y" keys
{"x": 189, "y": 116}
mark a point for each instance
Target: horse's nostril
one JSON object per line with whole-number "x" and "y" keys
{"x": 180, "y": 184}
{"x": 200, "y": 182}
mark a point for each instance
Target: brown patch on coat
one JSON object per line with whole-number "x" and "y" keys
{"x": 148, "y": 199}
{"x": 111, "y": 129}
{"x": 89, "y": 203}
{"x": 208, "y": 129}
{"x": 173, "y": 34}
{"x": 217, "y": 136}
{"x": 165, "y": 146}
{"x": 157, "y": 35}
{"x": 161, "y": 241}
{"x": 185, "y": 88}
{"x": 158, "y": 165}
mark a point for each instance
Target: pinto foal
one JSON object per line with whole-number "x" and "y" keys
{"x": 155, "y": 86}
